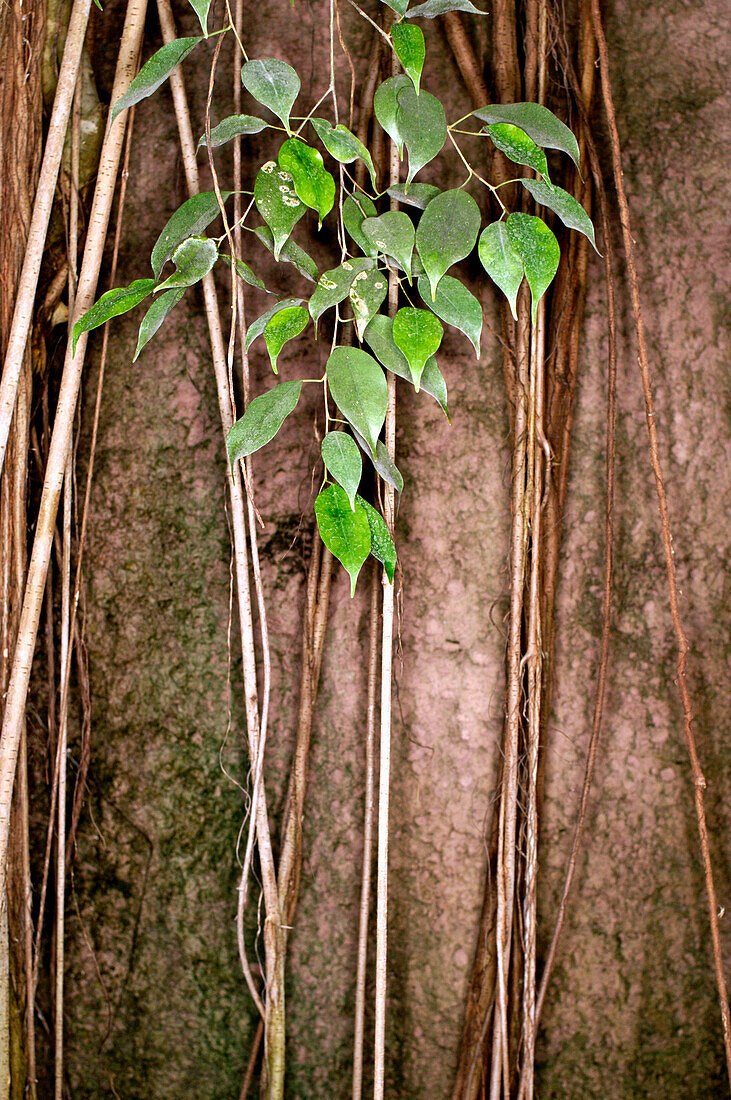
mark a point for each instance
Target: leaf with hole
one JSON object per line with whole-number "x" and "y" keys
{"x": 379, "y": 336}
{"x": 290, "y": 252}
{"x": 537, "y": 121}
{"x": 189, "y": 220}
{"x": 154, "y": 73}
{"x": 201, "y": 9}
{"x": 382, "y": 546}
{"x": 408, "y": 42}
{"x": 262, "y": 420}
{"x": 538, "y": 249}
{"x": 231, "y": 127}
{"x": 422, "y": 125}
{"x": 277, "y": 202}
{"x": 314, "y": 185}
{"x": 569, "y": 209}
{"x": 385, "y": 107}
{"x": 355, "y": 211}
{"x": 382, "y": 462}
{"x": 359, "y": 389}
{"x": 273, "y": 83}
{"x": 447, "y": 232}
{"x": 517, "y": 146}
{"x": 393, "y": 234}
{"x": 344, "y": 146}
{"x": 417, "y": 333}
{"x": 112, "y": 304}
{"x": 257, "y": 327}
{"x": 457, "y": 306}
{"x": 155, "y": 316}
{"x": 193, "y": 260}
{"x": 244, "y": 272}
{"x": 342, "y": 460}
{"x": 344, "y": 530}
{"x": 501, "y": 261}
{"x": 283, "y": 326}
{"x": 366, "y": 294}
{"x": 418, "y": 194}
{"x": 333, "y": 285}
{"x": 432, "y": 8}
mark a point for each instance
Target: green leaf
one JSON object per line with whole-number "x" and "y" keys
{"x": 538, "y": 249}
{"x": 344, "y": 530}
{"x": 155, "y": 316}
{"x": 257, "y": 327}
{"x": 277, "y": 202}
{"x": 379, "y": 336}
{"x": 154, "y": 73}
{"x": 382, "y": 462}
{"x": 367, "y": 291}
{"x": 417, "y": 333}
{"x": 393, "y": 234}
{"x": 517, "y": 146}
{"x": 501, "y": 261}
{"x": 344, "y": 146}
{"x": 334, "y": 285}
{"x": 193, "y": 260}
{"x": 273, "y": 83}
{"x": 382, "y": 546}
{"x": 244, "y": 272}
{"x": 231, "y": 127}
{"x": 385, "y": 107}
{"x": 456, "y": 306}
{"x": 359, "y": 389}
{"x": 189, "y": 220}
{"x": 408, "y": 42}
{"x": 283, "y": 326}
{"x": 538, "y": 122}
{"x": 447, "y": 232}
{"x": 569, "y": 209}
{"x": 201, "y": 8}
{"x": 399, "y": 6}
{"x": 342, "y": 460}
{"x": 112, "y": 304}
{"x": 432, "y": 8}
{"x": 418, "y": 194}
{"x": 290, "y": 252}
{"x": 262, "y": 420}
{"x": 312, "y": 182}
{"x": 355, "y": 211}
{"x": 422, "y": 125}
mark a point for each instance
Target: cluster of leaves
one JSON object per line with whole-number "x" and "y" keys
{"x": 419, "y": 249}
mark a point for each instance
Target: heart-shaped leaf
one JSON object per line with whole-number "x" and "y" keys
{"x": 189, "y": 220}
{"x": 257, "y": 327}
{"x": 262, "y": 420}
{"x": 457, "y": 306}
{"x": 193, "y": 260}
{"x": 379, "y": 335}
{"x": 284, "y": 325}
{"x": 344, "y": 146}
{"x": 538, "y": 249}
{"x": 231, "y": 127}
{"x": 447, "y": 232}
{"x": 417, "y": 333}
{"x": 367, "y": 291}
{"x": 112, "y": 304}
{"x": 382, "y": 462}
{"x": 569, "y": 209}
{"x": 382, "y": 546}
{"x": 538, "y": 122}
{"x": 393, "y": 234}
{"x": 277, "y": 202}
{"x": 290, "y": 252}
{"x": 334, "y": 285}
{"x": 385, "y": 107}
{"x": 408, "y": 42}
{"x": 501, "y": 261}
{"x": 154, "y": 73}
{"x": 517, "y": 146}
{"x": 344, "y": 530}
{"x": 155, "y": 316}
{"x": 342, "y": 460}
{"x": 432, "y": 8}
{"x": 355, "y": 210}
{"x": 312, "y": 182}
{"x": 273, "y": 83}
{"x": 418, "y": 194}
{"x": 359, "y": 389}
{"x": 422, "y": 126}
